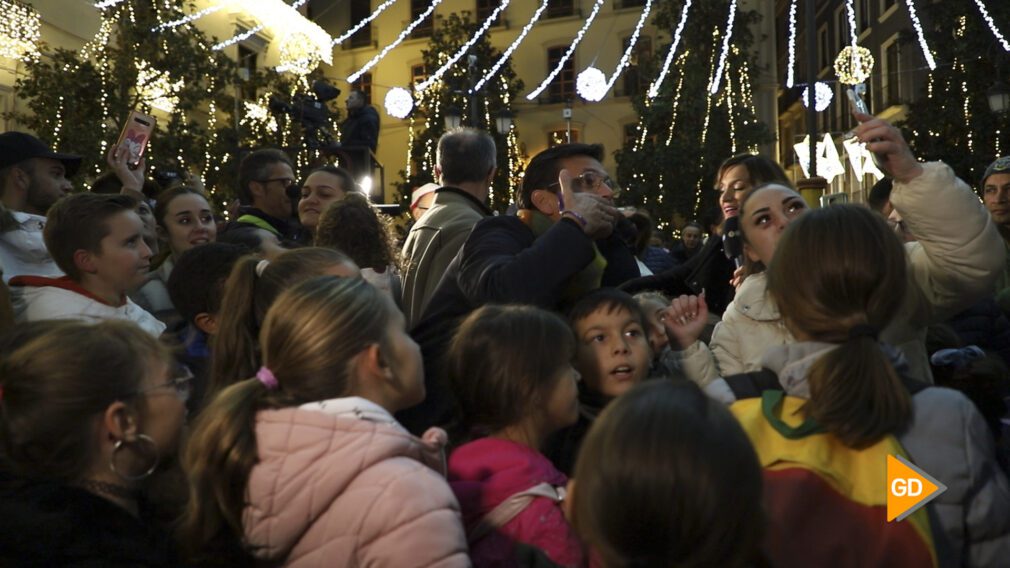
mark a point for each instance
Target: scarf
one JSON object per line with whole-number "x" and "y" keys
{"x": 584, "y": 281}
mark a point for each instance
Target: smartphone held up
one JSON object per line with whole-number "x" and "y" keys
{"x": 136, "y": 134}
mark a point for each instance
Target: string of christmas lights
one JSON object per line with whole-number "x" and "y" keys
{"x": 992, "y": 26}
{"x": 399, "y": 39}
{"x": 850, "y": 11}
{"x": 463, "y": 49}
{"x": 382, "y": 7}
{"x": 791, "y": 65}
{"x": 717, "y": 78}
{"x": 515, "y": 44}
{"x": 626, "y": 57}
{"x": 654, "y": 87}
{"x": 107, "y": 4}
{"x": 240, "y": 37}
{"x": 571, "y": 49}
{"x": 187, "y": 19}
{"x": 922, "y": 37}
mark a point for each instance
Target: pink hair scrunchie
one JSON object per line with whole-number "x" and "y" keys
{"x": 266, "y": 376}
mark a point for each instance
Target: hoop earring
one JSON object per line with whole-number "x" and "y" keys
{"x": 154, "y": 465}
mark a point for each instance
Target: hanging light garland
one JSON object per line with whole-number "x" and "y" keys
{"x": 626, "y": 56}
{"x": 922, "y": 37}
{"x": 463, "y": 49}
{"x": 714, "y": 85}
{"x": 515, "y": 44}
{"x": 571, "y": 49}
{"x": 791, "y": 64}
{"x": 654, "y": 87}
{"x": 382, "y": 7}
{"x": 20, "y": 29}
{"x": 992, "y": 26}
{"x": 187, "y": 19}
{"x": 156, "y": 89}
{"x": 399, "y": 39}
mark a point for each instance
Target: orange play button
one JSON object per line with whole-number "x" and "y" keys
{"x": 908, "y": 488}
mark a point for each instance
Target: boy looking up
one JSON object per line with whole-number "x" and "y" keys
{"x": 96, "y": 240}
{"x": 612, "y": 355}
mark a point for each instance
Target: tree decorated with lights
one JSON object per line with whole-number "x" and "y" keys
{"x": 427, "y": 122}
{"x": 951, "y": 119}
{"x": 700, "y": 113}
{"x": 79, "y": 99}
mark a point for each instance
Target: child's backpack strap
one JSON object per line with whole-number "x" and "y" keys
{"x": 751, "y": 385}
{"x": 509, "y": 508}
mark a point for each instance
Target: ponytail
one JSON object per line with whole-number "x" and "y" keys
{"x": 220, "y": 453}
{"x": 248, "y": 295}
{"x": 856, "y": 394}
{"x": 234, "y": 351}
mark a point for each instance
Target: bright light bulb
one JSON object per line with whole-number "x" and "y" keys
{"x": 399, "y": 102}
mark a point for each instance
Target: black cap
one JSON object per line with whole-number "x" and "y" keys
{"x": 16, "y": 147}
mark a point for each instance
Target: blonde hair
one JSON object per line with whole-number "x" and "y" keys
{"x": 853, "y": 274}
{"x": 309, "y": 338}
{"x": 247, "y": 297}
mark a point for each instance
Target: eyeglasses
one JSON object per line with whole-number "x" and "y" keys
{"x": 181, "y": 384}
{"x": 590, "y": 181}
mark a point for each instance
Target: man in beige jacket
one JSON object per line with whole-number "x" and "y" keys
{"x": 466, "y": 162}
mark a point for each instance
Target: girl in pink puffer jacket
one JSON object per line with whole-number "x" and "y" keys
{"x": 510, "y": 368}
{"x": 303, "y": 464}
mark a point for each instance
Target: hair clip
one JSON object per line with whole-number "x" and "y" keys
{"x": 262, "y": 266}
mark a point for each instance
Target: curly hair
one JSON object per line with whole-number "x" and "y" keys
{"x": 354, "y": 227}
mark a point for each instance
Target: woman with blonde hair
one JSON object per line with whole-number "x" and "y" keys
{"x": 303, "y": 464}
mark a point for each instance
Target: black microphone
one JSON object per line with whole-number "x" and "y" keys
{"x": 732, "y": 242}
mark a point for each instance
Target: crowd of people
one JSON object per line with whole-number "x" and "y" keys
{"x": 555, "y": 387}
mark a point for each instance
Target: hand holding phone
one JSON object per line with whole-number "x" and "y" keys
{"x": 136, "y": 134}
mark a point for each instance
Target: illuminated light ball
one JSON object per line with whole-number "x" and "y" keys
{"x": 822, "y": 96}
{"x": 591, "y": 84}
{"x": 298, "y": 54}
{"x": 399, "y": 102}
{"x": 853, "y": 66}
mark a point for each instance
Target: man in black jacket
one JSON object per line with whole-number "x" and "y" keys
{"x": 361, "y": 127}
{"x": 560, "y": 246}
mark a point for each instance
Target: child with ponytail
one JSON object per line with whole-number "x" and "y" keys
{"x": 251, "y": 289}
{"x": 842, "y": 401}
{"x": 511, "y": 370}
{"x": 303, "y": 464}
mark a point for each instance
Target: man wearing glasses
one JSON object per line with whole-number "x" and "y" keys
{"x": 266, "y": 186}
{"x": 560, "y": 246}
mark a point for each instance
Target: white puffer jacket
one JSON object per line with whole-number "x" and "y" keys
{"x": 955, "y": 262}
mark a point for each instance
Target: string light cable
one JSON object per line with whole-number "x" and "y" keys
{"x": 382, "y": 7}
{"x": 851, "y": 16}
{"x": 107, "y": 4}
{"x": 515, "y": 44}
{"x": 279, "y": 15}
{"x": 463, "y": 49}
{"x": 399, "y": 39}
{"x": 992, "y": 24}
{"x": 654, "y": 87}
{"x": 791, "y": 65}
{"x": 922, "y": 37}
{"x": 717, "y": 78}
{"x": 592, "y": 83}
{"x": 571, "y": 49}
{"x": 190, "y": 18}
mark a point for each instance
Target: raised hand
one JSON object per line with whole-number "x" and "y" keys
{"x": 894, "y": 156}
{"x": 686, "y": 318}
{"x": 132, "y": 179}
{"x": 594, "y": 214}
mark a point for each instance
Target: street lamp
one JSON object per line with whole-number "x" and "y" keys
{"x": 504, "y": 121}
{"x": 453, "y": 117}
{"x": 999, "y": 97}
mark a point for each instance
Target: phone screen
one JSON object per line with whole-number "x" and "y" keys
{"x": 136, "y": 134}
{"x": 856, "y": 102}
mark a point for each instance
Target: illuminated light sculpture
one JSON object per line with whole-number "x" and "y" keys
{"x": 822, "y": 96}
{"x": 156, "y": 89}
{"x": 591, "y": 84}
{"x": 298, "y": 55}
{"x": 398, "y": 102}
{"x": 853, "y": 66}
{"x": 20, "y": 29}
